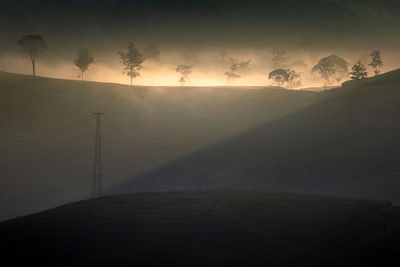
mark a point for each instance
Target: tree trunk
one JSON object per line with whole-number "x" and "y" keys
{"x": 82, "y": 75}
{"x": 33, "y": 68}
{"x": 131, "y": 80}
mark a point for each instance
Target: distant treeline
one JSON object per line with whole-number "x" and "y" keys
{"x": 332, "y": 69}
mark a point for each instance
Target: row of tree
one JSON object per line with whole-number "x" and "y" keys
{"x": 132, "y": 59}
{"x": 332, "y": 69}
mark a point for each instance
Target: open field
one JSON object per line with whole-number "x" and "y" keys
{"x": 207, "y": 228}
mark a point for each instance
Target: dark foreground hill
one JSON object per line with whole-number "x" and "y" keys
{"x": 346, "y": 143}
{"x": 207, "y": 228}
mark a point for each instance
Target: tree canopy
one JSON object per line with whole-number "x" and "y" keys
{"x": 359, "y": 71}
{"x": 376, "y": 61}
{"x": 33, "y": 44}
{"x": 132, "y": 60}
{"x": 288, "y": 77}
{"x": 332, "y": 69}
{"x": 84, "y": 59}
{"x": 279, "y": 77}
{"x": 184, "y": 70}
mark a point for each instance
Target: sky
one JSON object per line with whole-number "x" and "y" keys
{"x": 196, "y": 33}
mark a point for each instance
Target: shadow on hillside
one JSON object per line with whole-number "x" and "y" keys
{"x": 347, "y": 144}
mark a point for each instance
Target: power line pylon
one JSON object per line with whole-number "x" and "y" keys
{"x": 97, "y": 175}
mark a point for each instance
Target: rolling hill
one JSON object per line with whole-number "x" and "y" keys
{"x": 207, "y": 228}
{"x": 342, "y": 141}
{"x": 47, "y": 136}
{"x": 346, "y": 143}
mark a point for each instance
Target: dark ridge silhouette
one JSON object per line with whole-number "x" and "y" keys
{"x": 345, "y": 144}
{"x": 207, "y": 228}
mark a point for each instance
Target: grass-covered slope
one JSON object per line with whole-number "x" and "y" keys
{"x": 343, "y": 141}
{"x": 347, "y": 143}
{"x": 207, "y": 228}
{"x": 47, "y": 132}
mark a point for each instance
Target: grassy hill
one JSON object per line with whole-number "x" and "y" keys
{"x": 342, "y": 141}
{"x": 346, "y": 143}
{"x": 207, "y": 228}
{"x": 47, "y": 136}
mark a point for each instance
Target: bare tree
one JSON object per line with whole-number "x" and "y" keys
{"x": 184, "y": 70}
{"x": 132, "y": 60}
{"x": 359, "y": 71}
{"x": 332, "y": 69}
{"x": 33, "y": 44}
{"x": 376, "y": 61}
{"x": 84, "y": 59}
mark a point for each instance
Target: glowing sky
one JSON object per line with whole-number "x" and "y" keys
{"x": 308, "y": 30}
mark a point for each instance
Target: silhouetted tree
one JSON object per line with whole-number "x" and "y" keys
{"x": 184, "y": 70}
{"x": 132, "y": 60}
{"x": 332, "y": 69}
{"x": 237, "y": 68}
{"x": 33, "y": 44}
{"x": 280, "y": 59}
{"x": 359, "y": 71}
{"x": 294, "y": 79}
{"x": 279, "y": 77}
{"x": 151, "y": 52}
{"x": 84, "y": 59}
{"x": 376, "y": 61}
{"x": 288, "y": 77}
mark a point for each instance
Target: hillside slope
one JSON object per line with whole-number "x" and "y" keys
{"x": 207, "y": 228}
{"x": 345, "y": 144}
{"x": 47, "y": 136}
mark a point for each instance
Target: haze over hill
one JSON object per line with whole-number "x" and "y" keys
{"x": 253, "y": 133}
{"x": 207, "y": 228}
{"x": 195, "y": 33}
{"x": 345, "y": 144}
{"x": 47, "y": 136}
{"x": 342, "y": 141}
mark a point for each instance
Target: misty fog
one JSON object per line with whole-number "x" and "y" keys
{"x": 196, "y": 33}
{"x": 207, "y": 69}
